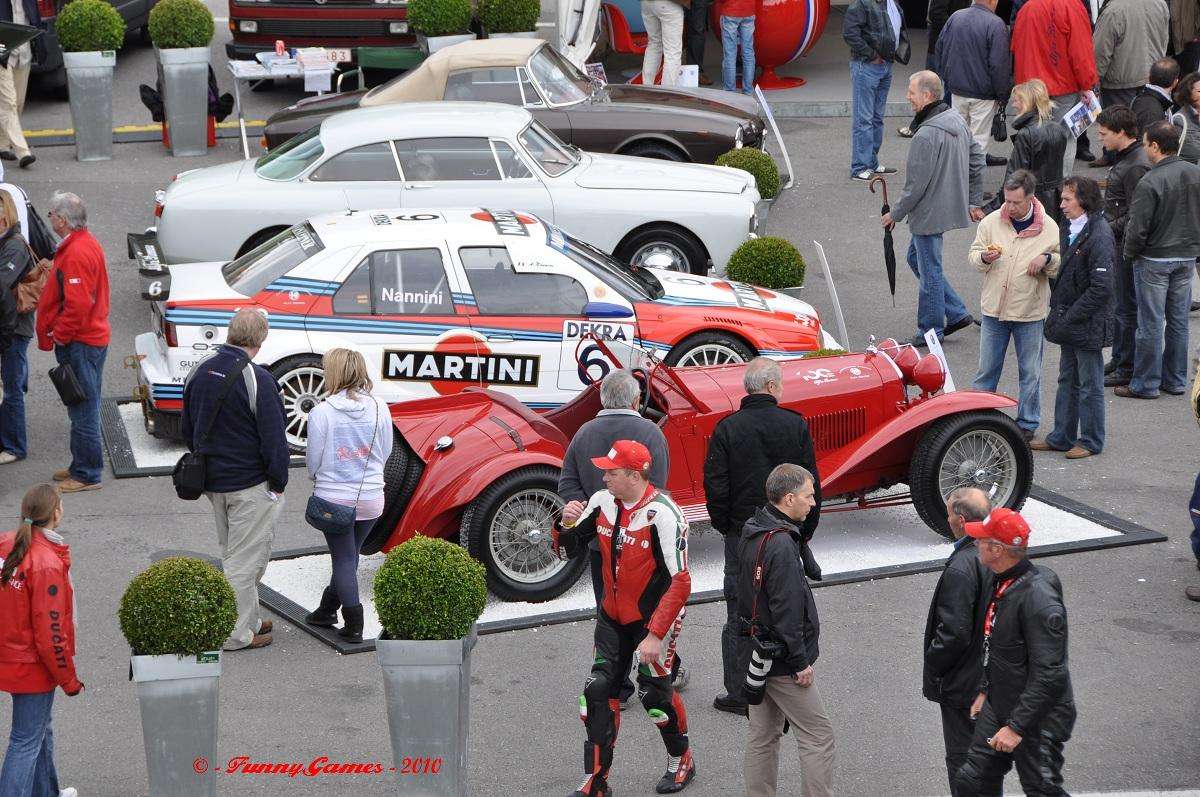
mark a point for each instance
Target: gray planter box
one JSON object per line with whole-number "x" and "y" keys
{"x": 90, "y": 82}
{"x": 178, "y": 700}
{"x": 427, "y": 689}
{"x": 431, "y": 44}
{"x": 184, "y": 75}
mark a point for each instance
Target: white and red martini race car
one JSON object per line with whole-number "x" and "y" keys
{"x": 441, "y": 300}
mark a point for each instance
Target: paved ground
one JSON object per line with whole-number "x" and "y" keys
{"x": 1134, "y": 636}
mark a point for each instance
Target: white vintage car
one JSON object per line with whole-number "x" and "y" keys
{"x": 682, "y": 216}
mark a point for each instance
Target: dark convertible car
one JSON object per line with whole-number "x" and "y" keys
{"x": 694, "y": 125}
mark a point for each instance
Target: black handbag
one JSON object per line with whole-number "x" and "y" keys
{"x": 191, "y": 471}
{"x": 999, "y": 125}
{"x": 63, "y": 376}
{"x": 331, "y": 518}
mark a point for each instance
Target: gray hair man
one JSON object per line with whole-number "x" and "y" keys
{"x": 72, "y": 320}
{"x": 579, "y": 480}
{"x": 744, "y": 449}
{"x": 232, "y": 413}
{"x": 778, "y": 667}
{"x": 953, "y": 663}
{"x": 943, "y": 190}
{"x": 1027, "y": 713}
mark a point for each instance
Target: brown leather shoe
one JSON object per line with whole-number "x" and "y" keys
{"x": 1038, "y": 444}
{"x": 265, "y": 627}
{"x": 1124, "y": 392}
{"x": 1079, "y": 452}
{"x": 705, "y": 80}
{"x": 1193, "y": 593}
{"x": 61, "y": 475}
{"x": 259, "y": 641}
{"x": 74, "y": 486}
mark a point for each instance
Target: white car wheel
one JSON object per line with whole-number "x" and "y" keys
{"x": 661, "y": 255}
{"x": 301, "y": 386}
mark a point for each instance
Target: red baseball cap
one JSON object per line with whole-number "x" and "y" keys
{"x": 1002, "y": 525}
{"x": 625, "y": 454}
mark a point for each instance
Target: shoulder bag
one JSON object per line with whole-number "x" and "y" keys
{"x": 63, "y": 376}
{"x": 332, "y": 518}
{"x": 28, "y": 289}
{"x": 191, "y": 470}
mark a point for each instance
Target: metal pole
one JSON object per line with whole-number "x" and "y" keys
{"x": 833, "y": 296}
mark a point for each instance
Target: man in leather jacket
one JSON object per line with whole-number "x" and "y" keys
{"x": 953, "y": 646}
{"x": 1025, "y": 710}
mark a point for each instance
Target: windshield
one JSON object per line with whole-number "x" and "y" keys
{"x": 636, "y": 285}
{"x": 560, "y": 81}
{"x": 266, "y": 263}
{"x": 292, "y": 157}
{"x": 548, "y": 150}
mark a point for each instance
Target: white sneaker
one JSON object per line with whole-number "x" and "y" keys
{"x": 865, "y": 174}
{"x": 7, "y": 457}
{"x": 682, "y": 677}
{"x": 885, "y": 169}
{"x": 68, "y": 792}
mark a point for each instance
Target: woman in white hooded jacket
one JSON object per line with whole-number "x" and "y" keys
{"x": 349, "y": 440}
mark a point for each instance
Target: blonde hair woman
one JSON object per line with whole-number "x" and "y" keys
{"x": 36, "y": 655}
{"x": 16, "y": 330}
{"x": 349, "y": 440}
{"x": 1039, "y": 146}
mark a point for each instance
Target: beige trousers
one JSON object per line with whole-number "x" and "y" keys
{"x": 664, "y": 29}
{"x": 13, "y": 83}
{"x": 245, "y": 530}
{"x": 978, "y": 116}
{"x": 802, "y": 707}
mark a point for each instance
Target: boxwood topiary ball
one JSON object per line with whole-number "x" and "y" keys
{"x": 180, "y": 23}
{"x": 767, "y": 262}
{"x": 178, "y": 605}
{"x": 429, "y": 589}
{"x": 509, "y": 16}
{"x": 759, "y": 164}
{"x": 85, "y": 26}
{"x": 440, "y": 17}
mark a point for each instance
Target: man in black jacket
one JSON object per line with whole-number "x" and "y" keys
{"x": 1117, "y": 129}
{"x": 1162, "y": 240}
{"x": 242, "y": 437}
{"x": 874, "y": 31}
{"x": 778, "y": 608}
{"x": 1153, "y": 102}
{"x": 953, "y": 668}
{"x": 1026, "y": 709}
{"x": 744, "y": 448}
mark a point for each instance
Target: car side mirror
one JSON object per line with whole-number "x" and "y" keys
{"x": 606, "y": 310}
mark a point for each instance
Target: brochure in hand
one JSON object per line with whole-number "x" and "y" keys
{"x": 1081, "y": 115}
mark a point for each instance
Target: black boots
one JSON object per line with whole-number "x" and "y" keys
{"x": 352, "y": 628}
{"x": 325, "y": 615}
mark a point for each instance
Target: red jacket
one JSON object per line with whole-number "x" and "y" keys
{"x": 1052, "y": 40}
{"x": 737, "y": 8}
{"x": 37, "y": 620}
{"x": 82, "y": 316}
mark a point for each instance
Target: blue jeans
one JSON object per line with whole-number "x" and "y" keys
{"x": 1125, "y": 318}
{"x": 343, "y": 553}
{"x": 1027, "y": 338}
{"x": 87, "y": 454}
{"x": 29, "y": 763}
{"x": 1194, "y": 511}
{"x": 1079, "y": 403}
{"x": 1164, "y": 296}
{"x": 871, "y": 83}
{"x": 14, "y": 373}
{"x": 937, "y": 303}
{"x": 735, "y": 31}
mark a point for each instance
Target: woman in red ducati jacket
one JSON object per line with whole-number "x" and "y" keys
{"x": 37, "y": 641}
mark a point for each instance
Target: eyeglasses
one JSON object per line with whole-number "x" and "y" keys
{"x": 49, "y": 214}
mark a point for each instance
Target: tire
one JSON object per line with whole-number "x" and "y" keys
{"x": 936, "y": 450}
{"x": 259, "y": 238}
{"x": 401, "y": 474}
{"x": 301, "y": 383}
{"x": 684, "y": 248}
{"x": 655, "y": 149}
{"x": 540, "y": 484}
{"x": 710, "y": 348}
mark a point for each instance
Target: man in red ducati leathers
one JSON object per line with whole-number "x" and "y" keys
{"x": 643, "y": 549}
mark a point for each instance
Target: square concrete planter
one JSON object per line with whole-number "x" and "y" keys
{"x": 431, "y": 44}
{"x": 90, "y": 86}
{"x": 184, "y": 75}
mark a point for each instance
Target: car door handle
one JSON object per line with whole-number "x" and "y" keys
{"x": 499, "y": 338}
{"x": 417, "y": 185}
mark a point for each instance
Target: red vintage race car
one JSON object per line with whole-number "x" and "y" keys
{"x": 481, "y": 465}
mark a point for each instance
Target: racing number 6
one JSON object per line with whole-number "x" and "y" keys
{"x": 593, "y": 365}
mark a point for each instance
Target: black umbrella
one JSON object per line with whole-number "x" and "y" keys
{"x": 889, "y": 249}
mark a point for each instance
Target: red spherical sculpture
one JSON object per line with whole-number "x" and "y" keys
{"x": 784, "y": 30}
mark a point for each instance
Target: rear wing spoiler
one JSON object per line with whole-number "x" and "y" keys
{"x": 154, "y": 274}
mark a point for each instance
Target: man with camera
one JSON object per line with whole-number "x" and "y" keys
{"x": 953, "y": 645}
{"x": 780, "y": 617}
{"x": 643, "y": 556}
{"x": 1025, "y": 711}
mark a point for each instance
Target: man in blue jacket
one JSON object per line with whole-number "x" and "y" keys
{"x": 974, "y": 61}
{"x": 233, "y": 415}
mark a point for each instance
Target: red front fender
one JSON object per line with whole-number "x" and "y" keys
{"x": 894, "y": 442}
{"x": 437, "y": 506}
